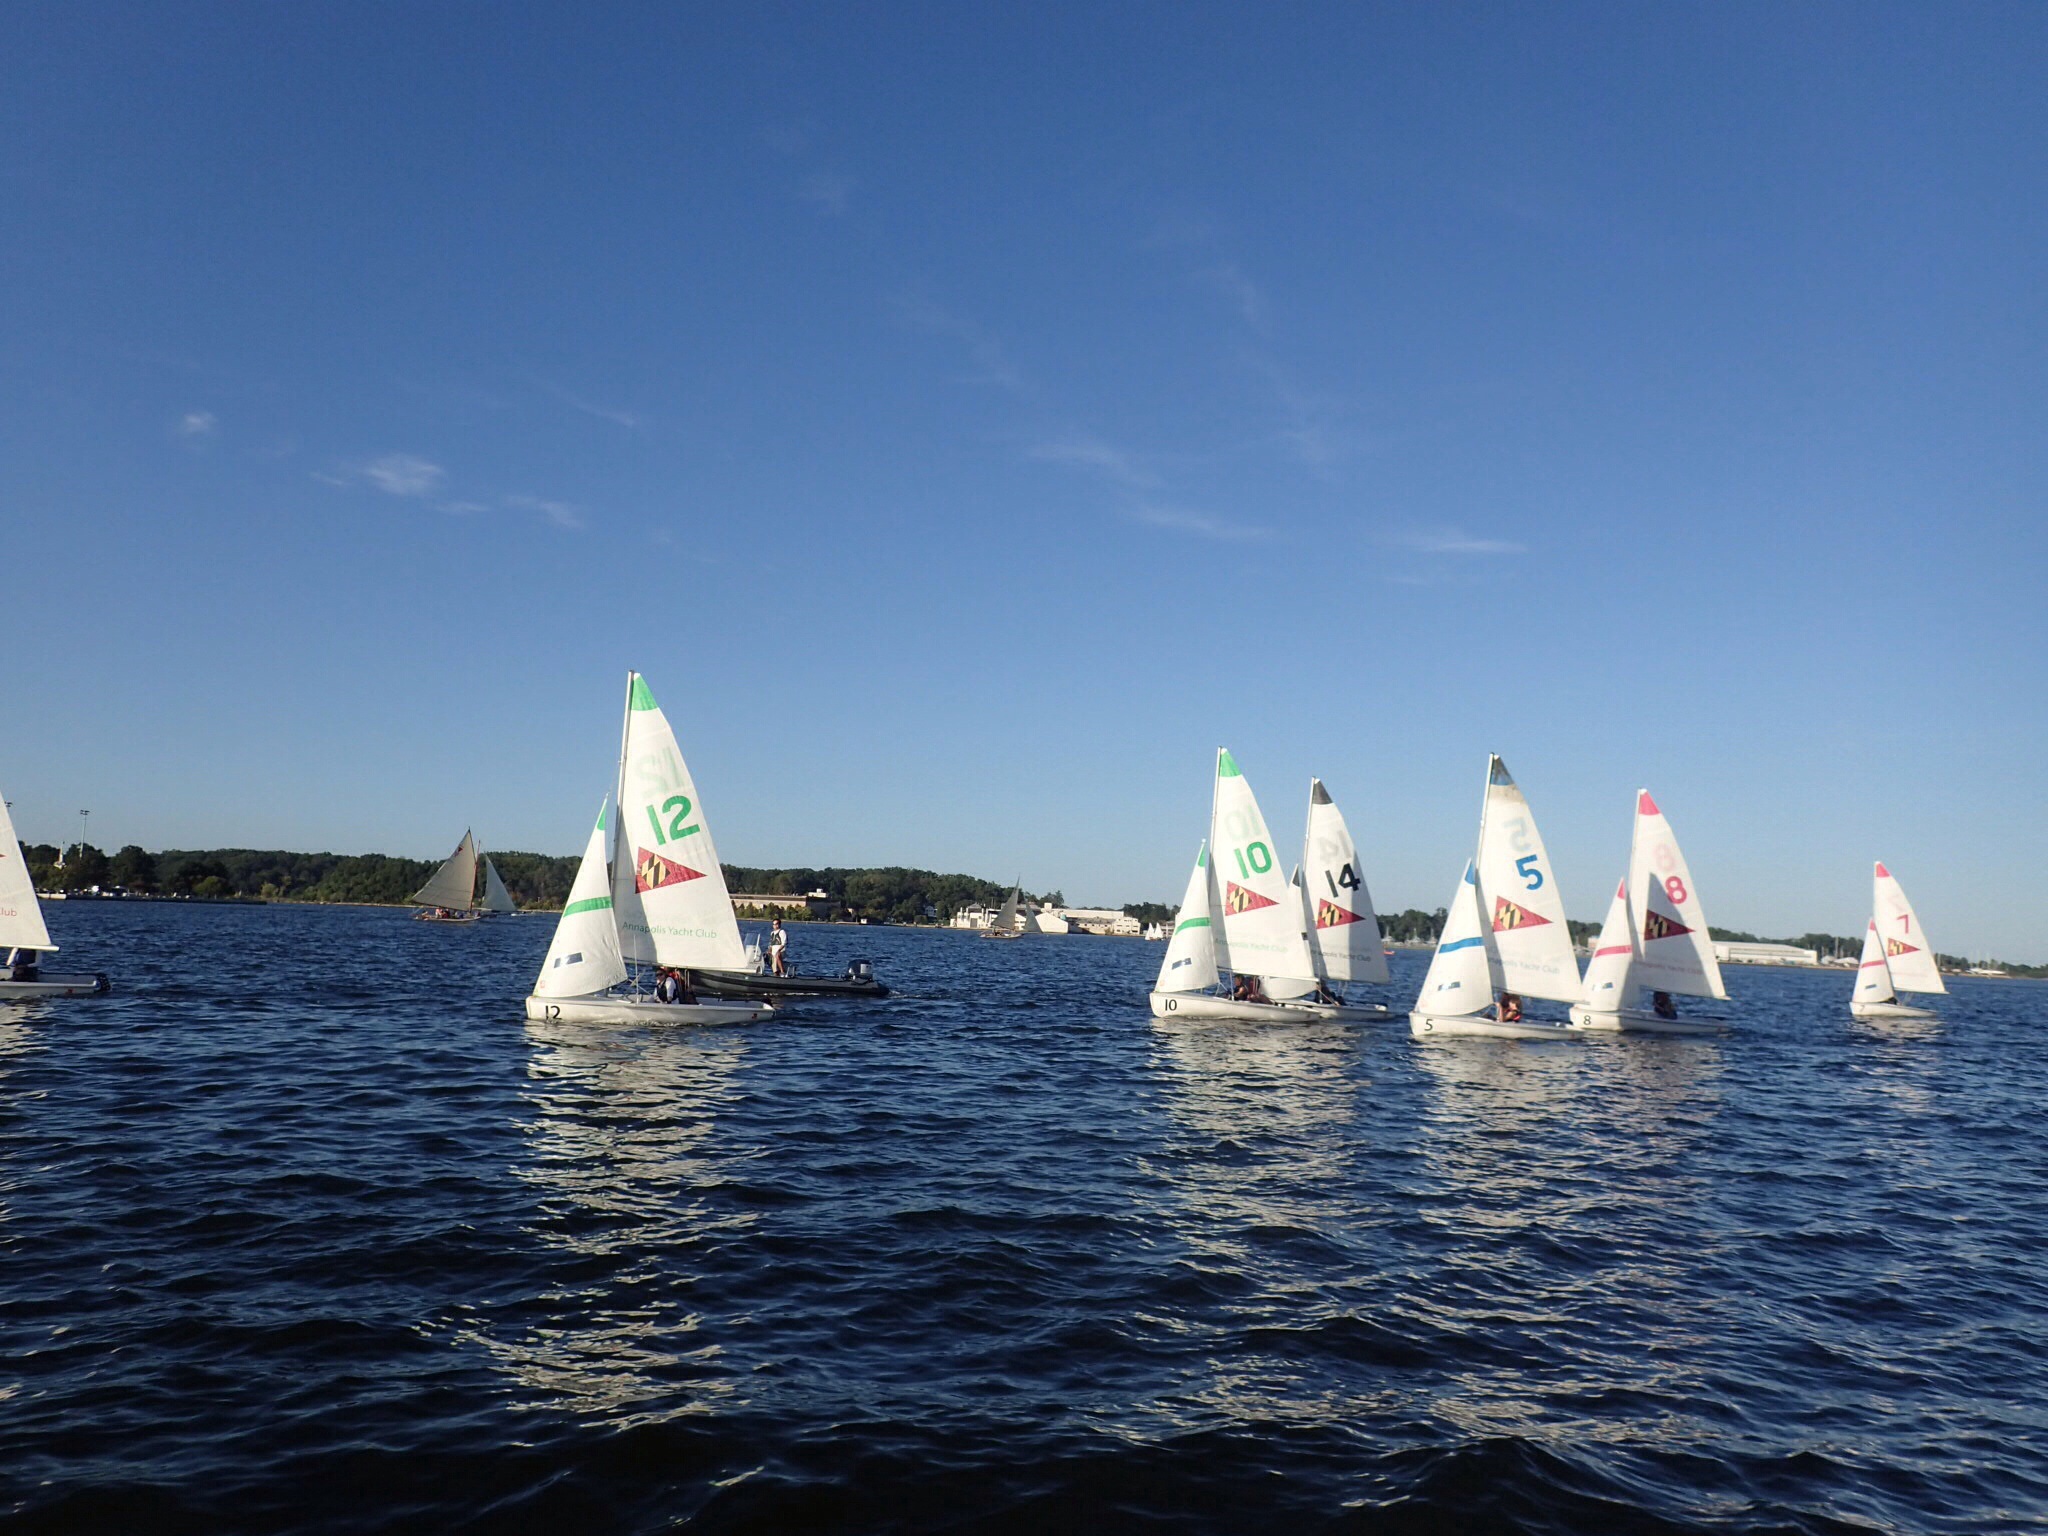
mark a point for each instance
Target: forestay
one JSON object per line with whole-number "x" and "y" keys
{"x": 1519, "y": 896}
{"x": 1260, "y": 915}
{"x": 1464, "y": 972}
{"x": 454, "y": 883}
{"x": 584, "y": 955}
{"x": 1675, "y": 952}
{"x": 21, "y": 915}
{"x": 1907, "y": 952}
{"x": 1190, "y": 962}
{"x": 668, "y": 890}
{"x": 1343, "y": 930}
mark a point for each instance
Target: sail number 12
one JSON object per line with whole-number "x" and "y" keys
{"x": 678, "y": 809}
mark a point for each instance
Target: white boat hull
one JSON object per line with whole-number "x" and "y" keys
{"x": 1437, "y": 1025}
{"x": 53, "y": 986}
{"x": 1360, "y": 1013}
{"x": 1890, "y": 1011}
{"x": 1200, "y": 1005}
{"x": 1634, "y": 1021}
{"x": 603, "y": 1009}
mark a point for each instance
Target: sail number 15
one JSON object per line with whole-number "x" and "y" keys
{"x": 677, "y": 808}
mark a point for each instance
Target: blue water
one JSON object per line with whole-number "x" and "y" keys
{"x": 304, "y": 1228}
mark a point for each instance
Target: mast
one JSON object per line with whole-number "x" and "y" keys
{"x": 625, "y": 733}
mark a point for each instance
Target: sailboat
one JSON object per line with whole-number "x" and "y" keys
{"x": 1654, "y": 939}
{"x": 22, "y": 931}
{"x": 1338, "y": 922}
{"x": 1008, "y": 923}
{"x": 1504, "y": 931}
{"x": 1896, "y": 956}
{"x": 660, "y": 901}
{"x": 449, "y": 896}
{"x": 1250, "y": 920}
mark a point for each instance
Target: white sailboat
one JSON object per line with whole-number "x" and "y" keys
{"x": 1242, "y": 918}
{"x": 1896, "y": 956}
{"x": 660, "y": 902}
{"x": 449, "y": 896}
{"x": 1338, "y": 922}
{"x": 23, "y": 934}
{"x": 1505, "y": 931}
{"x": 1008, "y": 923}
{"x": 1654, "y": 939}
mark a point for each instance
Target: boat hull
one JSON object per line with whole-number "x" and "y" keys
{"x": 1438, "y": 1025}
{"x": 54, "y": 986}
{"x": 1890, "y": 1011}
{"x": 1200, "y": 1005}
{"x": 1633, "y": 1021}
{"x": 456, "y": 917}
{"x": 601, "y": 1009}
{"x": 764, "y": 984}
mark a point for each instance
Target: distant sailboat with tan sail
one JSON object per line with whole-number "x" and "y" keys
{"x": 449, "y": 896}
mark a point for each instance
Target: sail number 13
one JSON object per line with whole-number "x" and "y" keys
{"x": 677, "y": 808}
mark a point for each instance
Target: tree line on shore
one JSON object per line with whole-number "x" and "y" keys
{"x": 541, "y": 881}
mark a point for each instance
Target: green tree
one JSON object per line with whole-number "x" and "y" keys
{"x": 84, "y": 865}
{"x": 134, "y": 869}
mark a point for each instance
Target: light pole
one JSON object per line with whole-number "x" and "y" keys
{"x": 81, "y": 832}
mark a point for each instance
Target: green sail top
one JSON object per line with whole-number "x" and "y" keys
{"x": 1226, "y": 765}
{"x": 640, "y": 697}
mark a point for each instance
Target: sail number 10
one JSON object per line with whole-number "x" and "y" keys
{"x": 1253, "y": 859}
{"x": 677, "y": 807}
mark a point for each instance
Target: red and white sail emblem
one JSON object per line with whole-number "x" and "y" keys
{"x": 1237, "y": 899}
{"x": 651, "y": 872}
{"x": 1330, "y": 915}
{"x": 1507, "y": 915}
{"x": 1657, "y": 926}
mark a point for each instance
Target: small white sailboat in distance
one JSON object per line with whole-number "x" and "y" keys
{"x": 1896, "y": 956}
{"x": 659, "y": 904}
{"x": 1655, "y": 940}
{"x": 23, "y": 934}
{"x": 1008, "y": 923}
{"x": 1505, "y": 932}
{"x": 449, "y": 896}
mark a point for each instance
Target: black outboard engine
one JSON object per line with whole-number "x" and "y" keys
{"x": 860, "y": 970}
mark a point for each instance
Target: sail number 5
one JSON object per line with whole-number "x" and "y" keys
{"x": 678, "y": 809}
{"x": 1532, "y": 877}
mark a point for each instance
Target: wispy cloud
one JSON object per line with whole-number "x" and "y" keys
{"x": 1244, "y": 295}
{"x": 1105, "y": 459}
{"x": 1179, "y": 520}
{"x": 992, "y": 365}
{"x": 829, "y": 194}
{"x": 198, "y": 424}
{"x": 1455, "y": 541}
{"x": 561, "y": 514}
{"x": 399, "y": 474}
{"x": 628, "y": 419}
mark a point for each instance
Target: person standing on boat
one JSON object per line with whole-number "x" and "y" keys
{"x": 778, "y": 948}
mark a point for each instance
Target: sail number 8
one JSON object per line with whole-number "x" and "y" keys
{"x": 1254, "y": 859}
{"x": 678, "y": 809}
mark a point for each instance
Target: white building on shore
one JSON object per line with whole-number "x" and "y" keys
{"x": 1765, "y": 954}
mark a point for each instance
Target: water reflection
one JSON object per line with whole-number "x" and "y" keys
{"x": 17, "y": 1039}
{"x": 621, "y": 1153}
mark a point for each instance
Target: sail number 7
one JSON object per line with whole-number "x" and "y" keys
{"x": 678, "y": 809}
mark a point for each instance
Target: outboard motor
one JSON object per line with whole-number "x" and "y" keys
{"x": 860, "y": 970}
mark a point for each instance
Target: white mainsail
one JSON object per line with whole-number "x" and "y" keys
{"x": 496, "y": 897}
{"x": 1674, "y": 951}
{"x": 1190, "y": 961}
{"x": 1907, "y": 954}
{"x": 1261, "y": 915}
{"x": 21, "y": 915}
{"x": 584, "y": 955}
{"x": 1465, "y": 972}
{"x": 1609, "y": 987}
{"x": 1873, "y": 976}
{"x": 1519, "y": 897}
{"x": 454, "y": 883}
{"x": 668, "y": 889}
{"x": 1343, "y": 930}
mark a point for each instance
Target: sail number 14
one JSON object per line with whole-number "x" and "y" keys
{"x": 677, "y": 808}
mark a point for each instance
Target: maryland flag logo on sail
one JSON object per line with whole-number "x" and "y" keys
{"x": 1657, "y": 926}
{"x": 1896, "y": 947}
{"x": 1330, "y": 915}
{"x": 651, "y": 872}
{"x": 1237, "y": 899}
{"x": 1507, "y": 915}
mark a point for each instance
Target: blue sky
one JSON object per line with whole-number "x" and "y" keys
{"x": 967, "y": 421}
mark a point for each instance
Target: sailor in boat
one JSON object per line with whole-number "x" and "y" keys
{"x": 1323, "y": 994}
{"x": 672, "y": 986}
{"x": 1246, "y": 989}
{"x": 1510, "y": 1009}
{"x": 778, "y": 948}
{"x": 24, "y": 965}
{"x": 1664, "y": 1005}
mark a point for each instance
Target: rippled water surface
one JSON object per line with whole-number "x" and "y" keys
{"x": 304, "y": 1228}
